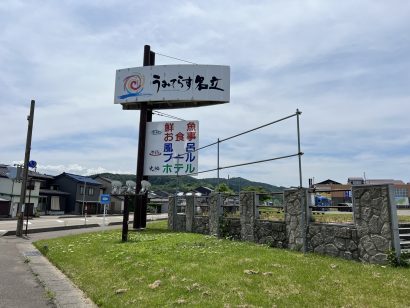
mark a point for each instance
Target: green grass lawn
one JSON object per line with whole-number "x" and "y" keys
{"x": 202, "y": 271}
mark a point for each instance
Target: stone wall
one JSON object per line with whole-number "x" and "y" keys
{"x": 373, "y": 218}
{"x": 272, "y": 233}
{"x": 248, "y": 212}
{"x": 215, "y": 209}
{"x": 190, "y": 213}
{"x": 201, "y": 225}
{"x": 369, "y": 239}
{"x": 181, "y": 222}
{"x": 230, "y": 228}
{"x": 334, "y": 240}
{"x": 294, "y": 219}
{"x": 172, "y": 213}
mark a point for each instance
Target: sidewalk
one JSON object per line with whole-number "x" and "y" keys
{"x": 29, "y": 280}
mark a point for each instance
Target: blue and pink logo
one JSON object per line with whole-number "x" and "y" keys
{"x": 133, "y": 86}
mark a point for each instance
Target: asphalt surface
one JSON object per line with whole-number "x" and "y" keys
{"x": 44, "y": 223}
{"x": 18, "y": 287}
{"x": 27, "y": 279}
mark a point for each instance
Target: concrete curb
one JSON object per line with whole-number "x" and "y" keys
{"x": 62, "y": 292}
{"x": 62, "y": 228}
{"x": 48, "y": 229}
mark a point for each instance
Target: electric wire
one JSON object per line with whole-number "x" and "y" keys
{"x": 182, "y": 60}
{"x": 299, "y": 154}
{"x": 162, "y": 114}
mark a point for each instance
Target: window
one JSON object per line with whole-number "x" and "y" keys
{"x": 90, "y": 191}
{"x": 400, "y": 193}
{"x": 55, "y": 203}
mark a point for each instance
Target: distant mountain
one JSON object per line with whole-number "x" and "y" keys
{"x": 186, "y": 183}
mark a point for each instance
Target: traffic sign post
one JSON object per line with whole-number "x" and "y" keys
{"x": 105, "y": 199}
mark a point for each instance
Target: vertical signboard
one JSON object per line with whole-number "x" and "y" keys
{"x": 170, "y": 148}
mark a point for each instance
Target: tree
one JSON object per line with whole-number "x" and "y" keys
{"x": 263, "y": 193}
{"x": 224, "y": 188}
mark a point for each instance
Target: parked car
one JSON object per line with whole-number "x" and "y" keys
{"x": 345, "y": 207}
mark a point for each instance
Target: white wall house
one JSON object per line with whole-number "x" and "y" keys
{"x": 10, "y": 190}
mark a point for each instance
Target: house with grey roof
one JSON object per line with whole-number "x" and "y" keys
{"x": 84, "y": 193}
{"x": 10, "y": 189}
{"x": 117, "y": 202}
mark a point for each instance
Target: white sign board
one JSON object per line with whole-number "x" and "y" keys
{"x": 170, "y": 148}
{"x": 172, "y": 86}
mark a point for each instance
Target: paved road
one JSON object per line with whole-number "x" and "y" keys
{"x": 67, "y": 222}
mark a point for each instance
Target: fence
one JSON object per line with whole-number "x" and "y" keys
{"x": 369, "y": 238}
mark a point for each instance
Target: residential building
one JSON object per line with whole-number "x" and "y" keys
{"x": 52, "y": 200}
{"x": 84, "y": 193}
{"x": 159, "y": 201}
{"x": 117, "y": 202}
{"x": 204, "y": 191}
{"x": 10, "y": 190}
{"x": 340, "y": 193}
{"x": 355, "y": 180}
{"x": 335, "y": 191}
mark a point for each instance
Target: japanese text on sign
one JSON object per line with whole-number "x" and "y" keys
{"x": 171, "y": 148}
{"x": 173, "y": 84}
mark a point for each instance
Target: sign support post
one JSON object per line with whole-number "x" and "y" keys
{"x": 125, "y": 219}
{"x": 140, "y": 210}
{"x": 166, "y": 87}
{"x": 104, "y": 200}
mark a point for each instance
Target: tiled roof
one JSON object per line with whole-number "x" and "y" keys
{"x": 53, "y": 192}
{"x": 81, "y": 178}
{"x": 35, "y": 175}
{"x": 103, "y": 178}
{"x": 384, "y": 181}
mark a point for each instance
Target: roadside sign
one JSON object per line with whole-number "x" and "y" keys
{"x": 172, "y": 86}
{"x": 105, "y": 199}
{"x": 171, "y": 148}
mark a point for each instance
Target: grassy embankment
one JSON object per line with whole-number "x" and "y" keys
{"x": 159, "y": 268}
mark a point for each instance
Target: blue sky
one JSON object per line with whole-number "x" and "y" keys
{"x": 344, "y": 64}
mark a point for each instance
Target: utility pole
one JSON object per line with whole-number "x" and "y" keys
{"x": 20, "y": 216}
{"x": 140, "y": 210}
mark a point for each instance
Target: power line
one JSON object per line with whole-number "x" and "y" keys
{"x": 166, "y": 115}
{"x": 182, "y": 60}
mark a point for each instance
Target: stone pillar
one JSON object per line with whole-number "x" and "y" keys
{"x": 247, "y": 207}
{"x": 190, "y": 213}
{"x": 373, "y": 210}
{"x": 172, "y": 213}
{"x": 295, "y": 218}
{"x": 215, "y": 211}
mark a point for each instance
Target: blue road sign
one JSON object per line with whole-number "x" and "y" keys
{"x": 105, "y": 199}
